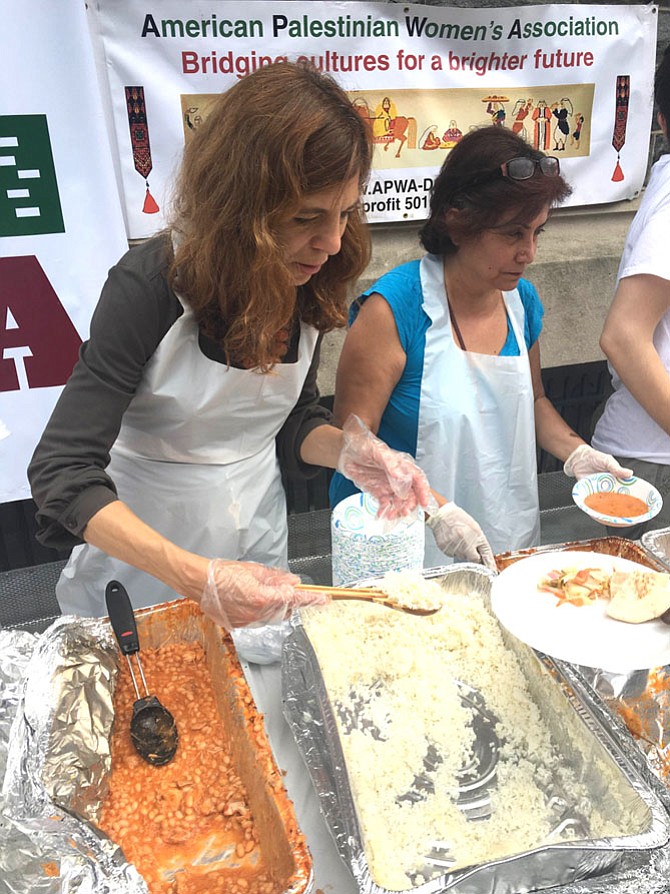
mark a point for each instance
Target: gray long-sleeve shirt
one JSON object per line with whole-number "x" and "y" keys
{"x": 137, "y": 307}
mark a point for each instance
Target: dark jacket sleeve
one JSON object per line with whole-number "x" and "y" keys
{"x": 305, "y": 416}
{"x": 67, "y": 471}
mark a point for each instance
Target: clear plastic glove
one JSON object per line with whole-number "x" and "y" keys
{"x": 457, "y": 534}
{"x": 584, "y": 460}
{"x": 241, "y": 593}
{"x": 391, "y": 477}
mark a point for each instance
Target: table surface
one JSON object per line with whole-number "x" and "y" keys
{"x": 27, "y": 595}
{"x": 27, "y": 600}
{"x": 331, "y": 875}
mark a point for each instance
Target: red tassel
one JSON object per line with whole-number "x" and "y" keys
{"x": 617, "y": 176}
{"x": 150, "y": 206}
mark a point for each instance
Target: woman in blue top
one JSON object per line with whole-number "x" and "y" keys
{"x": 442, "y": 358}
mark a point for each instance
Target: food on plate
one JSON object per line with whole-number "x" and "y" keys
{"x": 638, "y": 596}
{"x": 632, "y": 596}
{"x": 616, "y": 505}
{"x": 576, "y": 586}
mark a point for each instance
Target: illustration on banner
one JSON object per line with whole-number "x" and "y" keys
{"x": 553, "y": 119}
{"x": 408, "y": 124}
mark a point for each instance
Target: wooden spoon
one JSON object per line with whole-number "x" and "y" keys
{"x": 368, "y": 594}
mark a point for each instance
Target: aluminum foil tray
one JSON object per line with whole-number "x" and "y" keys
{"x": 640, "y": 700}
{"x": 282, "y": 844}
{"x": 597, "y": 746}
{"x": 658, "y": 543}
{"x": 58, "y": 761}
{"x": 610, "y": 546}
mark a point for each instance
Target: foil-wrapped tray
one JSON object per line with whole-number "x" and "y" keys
{"x": 283, "y": 847}
{"x": 641, "y": 699}
{"x": 658, "y": 544}
{"x": 58, "y": 760}
{"x": 596, "y": 745}
{"x": 610, "y": 546}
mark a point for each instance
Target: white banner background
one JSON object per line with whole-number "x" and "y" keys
{"x": 434, "y": 64}
{"x": 49, "y": 82}
{"x": 48, "y": 76}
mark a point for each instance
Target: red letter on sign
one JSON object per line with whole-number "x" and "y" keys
{"x": 38, "y": 343}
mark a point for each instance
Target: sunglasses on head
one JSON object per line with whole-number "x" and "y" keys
{"x": 523, "y": 167}
{"x": 520, "y": 168}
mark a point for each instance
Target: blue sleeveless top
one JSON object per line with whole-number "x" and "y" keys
{"x": 402, "y": 290}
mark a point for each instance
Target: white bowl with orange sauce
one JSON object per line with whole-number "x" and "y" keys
{"x": 617, "y": 502}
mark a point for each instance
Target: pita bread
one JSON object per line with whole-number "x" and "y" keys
{"x": 638, "y": 596}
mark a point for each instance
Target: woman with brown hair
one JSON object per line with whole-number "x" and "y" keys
{"x": 442, "y": 358}
{"x": 161, "y": 462}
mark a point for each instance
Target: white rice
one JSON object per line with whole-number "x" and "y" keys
{"x": 405, "y": 667}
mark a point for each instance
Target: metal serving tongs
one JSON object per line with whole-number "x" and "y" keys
{"x": 152, "y": 727}
{"x": 368, "y": 594}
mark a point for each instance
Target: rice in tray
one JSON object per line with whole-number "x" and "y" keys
{"x": 411, "y": 590}
{"x": 407, "y": 734}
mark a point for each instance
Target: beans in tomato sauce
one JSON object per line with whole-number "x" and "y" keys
{"x": 162, "y": 816}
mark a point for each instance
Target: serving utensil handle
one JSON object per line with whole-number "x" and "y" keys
{"x": 122, "y": 617}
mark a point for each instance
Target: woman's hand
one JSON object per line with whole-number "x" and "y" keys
{"x": 240, "y": 593}
{"x": 390, "y": 476}
{"x": 457, "y": 534}
{"x": 584, "y": 460}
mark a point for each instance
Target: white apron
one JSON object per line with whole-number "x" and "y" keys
{"x": 195, "y": 459}
{"x": 476, "y": 434}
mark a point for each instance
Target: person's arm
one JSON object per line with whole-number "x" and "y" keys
{"x": 67, "y": 472}
{"x": 307, "y": 415}
{"x": 555, "y": 436}
{"x": 117, "y": 531}
{"x": 232, "y": 593}
{"x": 350, "y": 445}
{"x": 391, "y": 477}
{"x": 370, "y": 365}
{"x": 639, "y": 303}
{"x": 552, "y": 432}
{"x": 77, "y": 499}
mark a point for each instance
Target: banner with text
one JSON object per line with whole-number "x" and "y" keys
{"x": 61, "y": 221}
{"x": 576, "y": 81}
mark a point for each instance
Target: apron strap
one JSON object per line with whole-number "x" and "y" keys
{"x": 456, "y": 327}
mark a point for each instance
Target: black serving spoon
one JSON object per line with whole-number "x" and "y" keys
{"x": 152, "y": 727}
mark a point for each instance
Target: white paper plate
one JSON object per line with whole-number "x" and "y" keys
{"x": 603, "y": 482}
{"x": 579, "y": 634}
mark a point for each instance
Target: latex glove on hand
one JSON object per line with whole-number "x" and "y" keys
{"x": 584, "y": 460}
{"x": 390, "y": 476}
{"x": 242, "y": 593}
{"x": 457, "y": 534}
